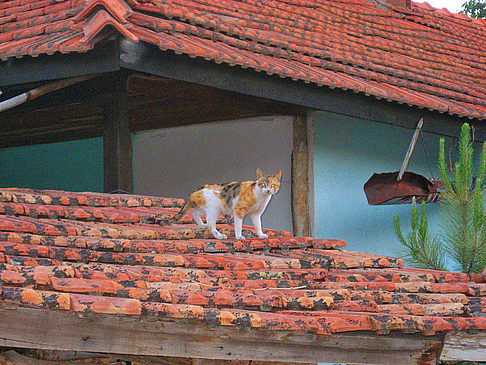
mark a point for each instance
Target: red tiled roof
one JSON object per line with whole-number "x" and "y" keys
{"x": 96, "y": 253}
{"x": 421, "y": 56}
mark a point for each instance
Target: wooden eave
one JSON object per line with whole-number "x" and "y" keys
{"x": 276, "y": 95}
{"x": 148, "y": 58}
{"x": 44, "y": 68}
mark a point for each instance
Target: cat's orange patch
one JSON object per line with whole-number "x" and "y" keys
{"x": 214, "y": 187}
{"x": 198, "y": 198}
{"x": 246, "y": 200}
{"x": 272, "y": 180}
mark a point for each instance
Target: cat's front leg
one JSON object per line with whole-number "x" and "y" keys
{"x": 257, "y": 224}
{"x": 238, "y": 227}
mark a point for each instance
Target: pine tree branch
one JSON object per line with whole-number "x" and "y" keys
{"x": 464, "y": 230}
{"x": 420, "y": 248}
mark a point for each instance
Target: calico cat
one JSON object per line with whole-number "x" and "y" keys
{"x": 237, "y": 198}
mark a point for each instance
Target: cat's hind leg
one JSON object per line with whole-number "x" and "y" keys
{"x": 211, "y": 218}
{"x": 196, "y": 215}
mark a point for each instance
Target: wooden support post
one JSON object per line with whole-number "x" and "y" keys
{"x": 117, "y": 146}
{"x": 300, "y": 179}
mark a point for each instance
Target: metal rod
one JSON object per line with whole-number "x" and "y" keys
{"x": 34, "y": 93}
{"x": 410, "y": 149}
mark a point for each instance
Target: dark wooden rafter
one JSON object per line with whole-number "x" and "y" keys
{"x": 165, "y": 102}
{"x": 146, "y": 58}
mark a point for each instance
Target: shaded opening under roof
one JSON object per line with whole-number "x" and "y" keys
{"x": 76, "y": 112}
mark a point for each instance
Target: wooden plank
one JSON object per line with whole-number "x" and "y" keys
{"x": 300, "y": 179}
{"x": 410, "y": 149}
{"x": 117, "y": 146}
{"x": 33, "y": 357}
{"x": 41, "y": 90}
{"x": 143, "y": 336}
{"x": 464, "y": 347}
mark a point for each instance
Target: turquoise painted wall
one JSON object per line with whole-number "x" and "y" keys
{"x": 347, "y": 151}
{"x": 73, "y": 166}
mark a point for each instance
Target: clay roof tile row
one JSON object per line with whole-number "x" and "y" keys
{"x": 101, "y": 253}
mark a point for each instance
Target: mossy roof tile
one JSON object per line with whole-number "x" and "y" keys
{"x": 94, "y": 253}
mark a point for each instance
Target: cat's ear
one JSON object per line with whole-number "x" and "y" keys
{"x": 278, "y": 175}
{"x": 259, "y": 174}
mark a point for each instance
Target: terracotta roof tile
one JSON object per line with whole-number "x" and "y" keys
{"x": 421, "y": 56}
{"x": 97, "y": 253}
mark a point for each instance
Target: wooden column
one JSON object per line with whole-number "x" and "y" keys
{"x": 117, "y": 145}
{"x": 300, "y": 178}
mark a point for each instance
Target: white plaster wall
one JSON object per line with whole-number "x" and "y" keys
{"x": 173, "y": 162}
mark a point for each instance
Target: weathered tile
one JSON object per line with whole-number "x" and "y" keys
{"x": 106, "y": 259}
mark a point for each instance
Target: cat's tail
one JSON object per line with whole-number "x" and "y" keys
{"x": 187, "y": 205}
{"x": 167, "y": 221}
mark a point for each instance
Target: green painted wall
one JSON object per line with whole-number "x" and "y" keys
{"x": 346, "y": 152}
{"x": 73, "y": 166}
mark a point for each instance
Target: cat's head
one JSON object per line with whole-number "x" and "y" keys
{"x": 268, "y": 184}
